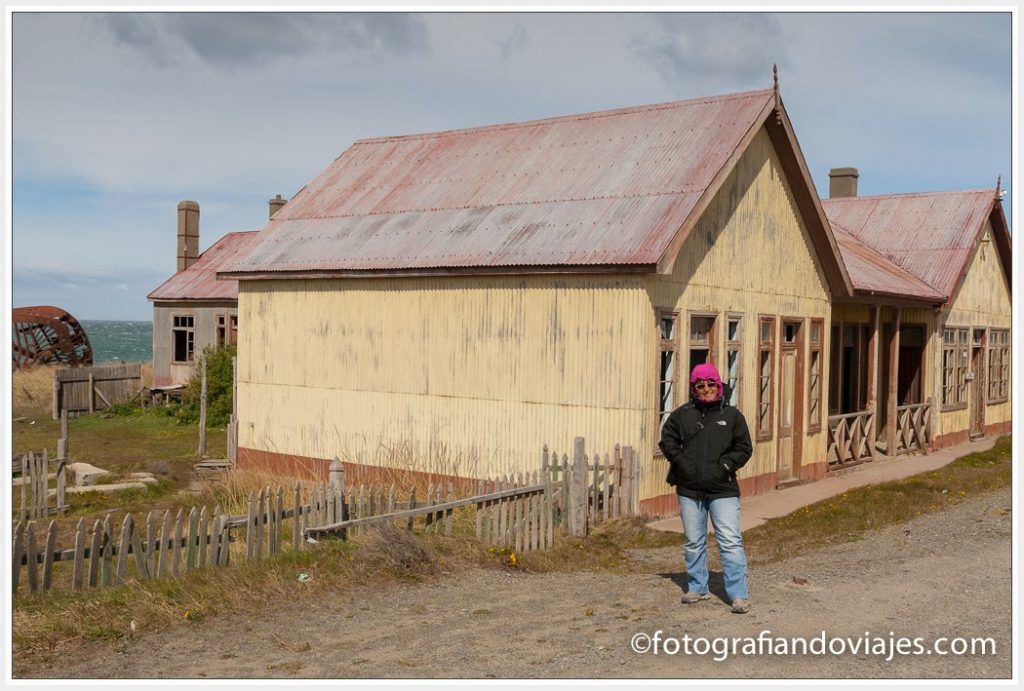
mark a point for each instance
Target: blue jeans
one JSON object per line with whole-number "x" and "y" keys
{"x": 725, "y": 517}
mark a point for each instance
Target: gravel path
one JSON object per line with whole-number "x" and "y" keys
{"x": 945, "y": 574}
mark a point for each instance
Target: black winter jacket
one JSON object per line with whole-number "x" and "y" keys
{"x": 705, "y": 446}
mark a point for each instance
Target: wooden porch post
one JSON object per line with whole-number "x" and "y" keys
{"x": 872, "y": 392}
{"x": 894, "y": 358}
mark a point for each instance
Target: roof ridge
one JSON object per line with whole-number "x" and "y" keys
{"x": 563, "y": 118}
{"x": 829, "y": 200}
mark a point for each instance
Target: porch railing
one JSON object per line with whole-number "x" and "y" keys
{"x": 913, "y": 425}
{"x": 849, "y": 439}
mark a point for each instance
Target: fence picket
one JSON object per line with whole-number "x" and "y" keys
{"x": 18, "y": 545}
{"x": 79, "y": 554}
{"x": 122, "y": 551}
{"x": 95, "y": 558}
{"x": 296, "y": 523}
{"x": 179, "y": 521}
{"x": 108, "y": 551}
{"x": 141, "y": 565}
{"x": 279, "y": 521}
{"x": 31, "y": 557}
{"x": 250, "y": 529}
{"x": 51, "y": 540}
{"x": 412, "y": 505}
{"x": 193, "y": 537}
{"x": 391, "y": 498}
{"x": 164, "y": 556}
{"x": 202, "y": 546}
{"x": 150, "y": 545}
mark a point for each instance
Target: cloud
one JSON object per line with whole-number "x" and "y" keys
{"x": 239, "y": 39}
{"x": 691, "y": 48}
{"x": 516, "y": 41}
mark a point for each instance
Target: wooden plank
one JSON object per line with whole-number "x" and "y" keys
{"x": 106, "y": 572}
{"x": 412, "y": 506}
{"x": 193, "y": 539}
{"x": 261, "y": 507}
{"x": 164, "y": 554}
{"x": 62, "y": 468}
{"x": 179, "y": 521}
{"x": 202, "y": 546}
{"x": 141, "y": 563}
{"x": 23, "y": 511}
{"x": 893, "y": 374}
{"x": 296, "y": 525}
{"x": 201, "y": 451}
{"x": 31, "y": 554}
{"x": 391, "y": 498}
{"x": 250, "y": 529}
{"x": 479, "y": 510}
{"x": 18, "y": 553}
{"x": 92, "y": 389}
{"x": 51, "y": 539}
{"x": 279, "y": 520}
{"x": 628, "y": 476}
{"x": 448, "y": 512}
{"x": 151, "y": 537}
{"x": 122, "y": 556}
{"x": 578, "y": 490}
{"x": 95, "y": 554}
{"x": 79, "y": 555}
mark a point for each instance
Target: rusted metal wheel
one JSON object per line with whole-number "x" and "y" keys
{"x": 46, "y": 334}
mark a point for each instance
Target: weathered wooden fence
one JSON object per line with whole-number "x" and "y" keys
{"x": 851, "y": 439}
{"x": 88, "y": 389}
{"x": 32, "y": 474}
{"x": 521, "y": 512}
{"x": 913, "y": 427}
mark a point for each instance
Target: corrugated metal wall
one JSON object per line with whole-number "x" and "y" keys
{"x": 983, "y": 301}
{"x": 479, "y": 370}
{"x": 750, "y": 254}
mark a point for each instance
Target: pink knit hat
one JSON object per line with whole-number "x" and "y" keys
{"x": 705, "y": 371}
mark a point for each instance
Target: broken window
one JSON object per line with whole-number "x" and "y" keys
{"x": 222, "y": 330}
{"x": 814, "y": 379}
{"x": 733, "y": 355}
{"x": 954, "y": 367}
{"x": 667, "y": 354}
{"x": 183, "y": 338}
{"x": 766, "y": 372}
{"x": 998, "y": 365}
{"x": 702, "y": 329}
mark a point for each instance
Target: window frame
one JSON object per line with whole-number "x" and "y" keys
{"x": 734, "y": 346}
{"x": 814, "y": 424}
{"x": 998, "y": 344}
{"x": 190, "y": 338}
{"x": 666, "y": 345}
{"x": 712, "y": 340}
{"x": 960, "y": 349}
{"x": 763, "y": 347}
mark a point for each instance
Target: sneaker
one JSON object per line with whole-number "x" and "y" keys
{"x": 740, "y": 606}
{"x": 690, "y": 598}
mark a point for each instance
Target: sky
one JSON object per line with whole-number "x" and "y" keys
{"x": 119, "y": 116}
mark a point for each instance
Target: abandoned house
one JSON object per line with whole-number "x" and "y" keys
{"x": 920, "y": 356}
{"x": 192, "y": 309}
{"x": 475, "y": 294}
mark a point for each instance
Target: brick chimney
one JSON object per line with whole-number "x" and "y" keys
{"x": 188, "y": 234}
{"x": 842, "y": 182}
{"x": 275, "y": 204}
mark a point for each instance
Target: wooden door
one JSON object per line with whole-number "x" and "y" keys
{"x": 787, "y": 384}
{"x": 977, "y": 407}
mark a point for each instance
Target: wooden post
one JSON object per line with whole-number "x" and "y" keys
{"x": 336, "y": 475}
{"x": 872, "y": 393}
{"x": 92, "y": 393}
{"x": 62, "y": 443}
{"x": 578, "y": 490}
{"x": 202, "y": 411}
{"x": 894, "y": 359}
{"x": 56, "y": 396}
{"x": 233, "y": 424}
{"x": 629, "y": 478}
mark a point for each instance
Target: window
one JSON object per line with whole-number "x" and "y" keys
{"x": 814, "y": 378}
{"x": 848, "y": 368}
{"x": 954, "y": 368}
{"x": 766, "y": 371}
{"x": 702, "y": 328}
{"x": 183, "y": 338}
{"x": 998, "y": 365}
{"x": 667, "y": 355}
{"x": 227, "y": 329}
{"x": 733, "y": 358}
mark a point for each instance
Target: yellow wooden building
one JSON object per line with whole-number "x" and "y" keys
{"x": 454, "y": 301}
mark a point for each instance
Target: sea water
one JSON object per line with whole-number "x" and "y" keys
{"x": 131, "y": 341}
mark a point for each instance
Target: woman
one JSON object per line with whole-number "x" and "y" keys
{"x": 706, "y": 442}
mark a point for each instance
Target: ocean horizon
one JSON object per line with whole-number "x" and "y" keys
{"x": 114, "y": 340}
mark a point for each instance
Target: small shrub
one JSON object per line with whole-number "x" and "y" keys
{"x": 219, "y": 386}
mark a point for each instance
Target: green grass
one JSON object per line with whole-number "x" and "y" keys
{"x": 853, "y": 514}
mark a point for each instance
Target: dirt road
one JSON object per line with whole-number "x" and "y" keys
{"x": 946, "y": 574}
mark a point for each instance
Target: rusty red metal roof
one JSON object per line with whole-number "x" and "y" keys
{"x": 199, "y": 281}
{"x": 873, "y": 274}
{"x": 607, "y": 188}
{"x": 930, "y": 235}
